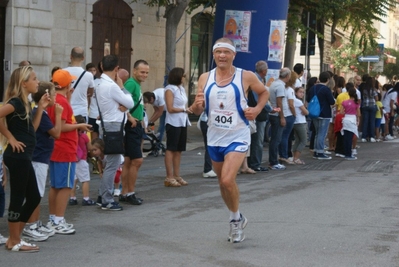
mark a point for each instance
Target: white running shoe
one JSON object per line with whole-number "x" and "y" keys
{"x": 372, "y": 140}
{"x": 3, "y": 240}
{"x": 68, "y": 225}
{"x": 389, "y": 137}
{"x": 117, "y": 192}
{"x": 364, "y": 140}
{"x": 236, "y": 234}
{"x": 354, "y": 151}
{"x": 44, "y": 229}
{"x": 277, "y": 167}
{"x": 32, "y": 233}
{"x": 62, "y": 228}
{"x": 210, "y": 174}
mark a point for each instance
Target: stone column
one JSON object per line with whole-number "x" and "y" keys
{"x": 31, "y": 32}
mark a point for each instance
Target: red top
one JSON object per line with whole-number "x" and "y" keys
{"x": 65, "y": 148}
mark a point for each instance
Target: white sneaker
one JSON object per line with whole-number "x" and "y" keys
{"x": 354, "y": 151}
{"x": 372, "y": 140}
{"x": 31, "y": 233}
{"x": 364, "y": 140}
{"x": 44, "y": 229}
{"x": 236, "y": 233}
{"x": 210, "y": 174}
{"x": 326, "y": 152}
{"x": 62, "y": 228}
{"x": 68, "y": 225}
{"x": 3, "y": 240}
{"x": 117, "y": 192}
{"x": 389, "y": 137}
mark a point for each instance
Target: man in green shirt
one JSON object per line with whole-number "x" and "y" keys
{"x": 134, "y": 131}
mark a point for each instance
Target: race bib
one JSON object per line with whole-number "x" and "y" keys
{"x": 224, "y": 119}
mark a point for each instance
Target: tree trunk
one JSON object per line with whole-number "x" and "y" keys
{"x": 292, "y": 31}
{"x": 320, "y": 28}
{"x": 173, "y": 14}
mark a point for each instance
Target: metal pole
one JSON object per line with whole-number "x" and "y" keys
{"x": 307, "y": 56}
{"x": 368, "y": 66}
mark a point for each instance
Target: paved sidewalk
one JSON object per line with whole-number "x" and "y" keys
{"x": 334, "y": 213}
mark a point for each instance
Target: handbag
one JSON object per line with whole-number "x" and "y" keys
{"x": 113, "y": 142}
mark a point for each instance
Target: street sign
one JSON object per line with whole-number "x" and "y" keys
{"x": 369, "y": 58}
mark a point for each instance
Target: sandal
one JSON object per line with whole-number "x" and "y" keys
{"x": 171, "y": 182}
{"x": 248, "y": 171}
{"x": 299, "y": 162}
{"x": 287, "y": 161}
{"x": 24, "y": 247}
{"x": 181, "y": 181}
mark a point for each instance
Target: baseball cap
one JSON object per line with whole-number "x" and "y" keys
{"x": 63, "y": 78}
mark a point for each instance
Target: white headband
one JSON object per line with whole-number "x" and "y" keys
{"x": 224, "y": 45}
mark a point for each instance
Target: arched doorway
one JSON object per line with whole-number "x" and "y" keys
{"x": 112, "y": 31}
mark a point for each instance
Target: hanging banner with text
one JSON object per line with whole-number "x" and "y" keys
{"x": 237, "y": 25}
{"x": 276, "y": 40}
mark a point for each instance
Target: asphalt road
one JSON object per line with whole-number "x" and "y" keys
{"x": 325, "y": 213}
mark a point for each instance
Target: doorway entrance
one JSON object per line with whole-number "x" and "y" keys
{"x": 112, "y": 31}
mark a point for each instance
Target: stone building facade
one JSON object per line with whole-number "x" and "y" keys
{"x": 45, "y": 31}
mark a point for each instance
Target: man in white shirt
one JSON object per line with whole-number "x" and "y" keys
{"x": 298, "y": 69}
{"x": 113, "y": 101}
{"x": 388, "y": 101}
{"x": 157, "y": 100}
{"x": 277, "y": 119}
{"x": 83, "y": 90}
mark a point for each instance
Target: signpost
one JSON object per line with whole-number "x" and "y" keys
{"x": 369, "y": 59}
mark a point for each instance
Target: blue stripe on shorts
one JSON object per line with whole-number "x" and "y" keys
{"x": 62, "y": 174}
{"x": 217, "y": 153}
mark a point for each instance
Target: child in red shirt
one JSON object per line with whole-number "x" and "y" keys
{"x": 64, "y": 157}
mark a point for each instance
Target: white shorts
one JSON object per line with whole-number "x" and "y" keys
{"x": 82, "y": 172}
{"x": 41, "y": 171}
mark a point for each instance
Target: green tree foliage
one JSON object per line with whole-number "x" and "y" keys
{"x": 174, "y": 10}
{"x": 358, "y": 16}
{"x": 355, "y": 15}
{"x": 345, "y": 58}
{"x": 391, "y": 69}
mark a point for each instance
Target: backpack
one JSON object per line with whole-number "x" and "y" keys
{"x": 314, "y": 106}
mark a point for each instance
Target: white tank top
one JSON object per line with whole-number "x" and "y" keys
{"x": 224, "y": 106}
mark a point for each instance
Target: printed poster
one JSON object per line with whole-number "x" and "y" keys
{"x": 276, "y": 40}
{"x": 237, "y": 25}
{"x": 271, "y": 76}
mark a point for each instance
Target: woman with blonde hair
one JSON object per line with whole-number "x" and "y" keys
{"x": 19, "y": 128}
